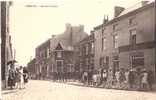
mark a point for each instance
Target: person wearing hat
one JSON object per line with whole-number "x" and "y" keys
{"x": 11, "y": 78}
{"x": 21, "y": 78}
{"x": 144, "y": 79}
{"x": 131, "y": 78}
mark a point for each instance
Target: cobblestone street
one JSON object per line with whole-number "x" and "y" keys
{"x": 46, "y": 90}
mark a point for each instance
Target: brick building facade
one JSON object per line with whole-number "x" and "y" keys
{"x": 128, "y": 40}
{"x": 42, "y": 59}
{"x": 48, "y": 64}
{"x": 85, "y": 54}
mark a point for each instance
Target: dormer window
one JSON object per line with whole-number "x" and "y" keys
{"x": 115, "y": 41}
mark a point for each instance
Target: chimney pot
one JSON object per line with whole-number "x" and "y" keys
{"x": 118, "y": 10}
{"x": 53, "y": 36}
{"x": 144, "y": 3}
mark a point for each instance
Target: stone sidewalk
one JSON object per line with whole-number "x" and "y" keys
{"x": 76, "y": 83}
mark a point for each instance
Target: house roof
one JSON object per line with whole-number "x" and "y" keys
{"x": 132, "y": 8}
{"x": 44, "y": 44}
{"x": 127, "y": 12}
{"x": 67, "y": 39}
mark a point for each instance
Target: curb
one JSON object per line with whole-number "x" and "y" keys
{"x": 154, "y": 90}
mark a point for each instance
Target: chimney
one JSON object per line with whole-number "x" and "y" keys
{"x": 118, "y": 10}
{"x": 53, "y": 36}
{"x": 105, "y": 20}
{"x": 92, "y": 32}
{"x": 68, "y": 27}
{"x": 144, "y": 3}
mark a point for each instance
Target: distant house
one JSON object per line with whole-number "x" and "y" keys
{"x": 55, "y": 55}
{"x": 85, "y": 54}
{"x": 32, "y": 69}
{"x": 42, "y": 59}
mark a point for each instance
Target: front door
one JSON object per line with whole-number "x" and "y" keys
{"x": 59, "y": 66}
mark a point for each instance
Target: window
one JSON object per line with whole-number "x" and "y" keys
{"x": 48, "y": 52}
{"x": 115, "y": 63}
{"x": 107, "y": 60}
{"x": 52, "y": 68}
{"x": 59, "y": 64}
{"x": 80, "y": 51}
{"x": 59, "y": 54}
{"x": 137, "y": 61}
{"x": 87, "y": 49}
{"x": 115, "y": 41}
{"x": 101, "y": 62}
{"x": 41, "y": 54}
{"x": 133, "y": 37}
{"x": 71, "y": 68}
{"x": 115, "y": 27}
{"x": 92, "y": 60}
{"x": 81, "y": 65}
{"x": 103, "y": 43}
{"x": 92, "y": 48}
{"x": 104, "y": 61}
{"x": 87, "y": 61}
{"x": 132, "y": 21}
{"x": 45, "y": 54}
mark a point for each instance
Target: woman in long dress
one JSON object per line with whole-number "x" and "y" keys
{"x": 144, "y": 80}
{"x": 17, "y": 78}
{"x": 11, "y": 78}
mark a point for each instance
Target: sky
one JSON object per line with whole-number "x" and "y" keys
{"x": 31, "y": 26}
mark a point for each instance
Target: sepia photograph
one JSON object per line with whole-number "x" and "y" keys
{"x": 78, "y": 50}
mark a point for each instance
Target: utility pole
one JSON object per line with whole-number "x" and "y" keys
{"x": 155, "y": 39}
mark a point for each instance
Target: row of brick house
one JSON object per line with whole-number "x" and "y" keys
{"x": 55, "y": 57}
{"x": 84, "y": 50}
{"x": 126, "y": 41}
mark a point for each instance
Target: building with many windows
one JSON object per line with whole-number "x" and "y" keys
{"x": 54, "y": 58}
{"x": 42, "y": 59}
{"x": 84, "y": 60}
{"x": 128, "y": 40}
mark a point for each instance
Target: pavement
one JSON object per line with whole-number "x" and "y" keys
{"x": 77, "y": 83}
{"x": 48, "y": 90}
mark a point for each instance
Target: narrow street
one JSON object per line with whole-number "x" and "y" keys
{"x": 46, "y": 90}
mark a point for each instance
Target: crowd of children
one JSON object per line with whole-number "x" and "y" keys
{"x": 132, "y": 79}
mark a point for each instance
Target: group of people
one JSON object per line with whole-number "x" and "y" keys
{"x": 17, "y": 77}
{"x": 130, "y": 79}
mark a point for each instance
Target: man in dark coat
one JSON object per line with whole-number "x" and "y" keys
{"x": 25, "y": 75}
{"x": 131, "y": 78}
{"x": 150, "y": 79}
